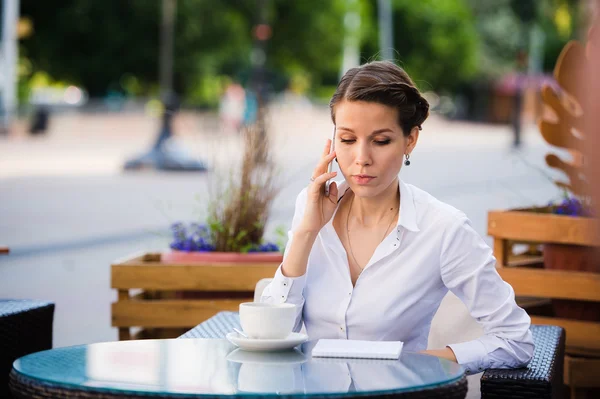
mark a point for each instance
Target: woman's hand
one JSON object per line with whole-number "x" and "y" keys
{"x": 445, "y": 353}
{"x": 319, "y": 208}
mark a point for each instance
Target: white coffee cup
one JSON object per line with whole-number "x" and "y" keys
{"x": 267, "y": 321}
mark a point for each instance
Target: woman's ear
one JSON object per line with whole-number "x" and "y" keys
{"x": 411, "y": 140}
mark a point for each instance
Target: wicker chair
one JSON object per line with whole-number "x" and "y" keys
{"x": 25, "y": 327}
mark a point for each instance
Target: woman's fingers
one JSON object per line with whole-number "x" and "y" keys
{"x": 333, "y": 192}
{"x": 323, "y": 164}
{"x": 320, "y": 180}
{"x": 327, "y": 147}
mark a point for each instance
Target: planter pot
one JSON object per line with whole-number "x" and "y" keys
{"x": 218, "y": 258}
{"x": 569, "y": 244}
{"x": 161, "y": 292}
{"x": 573, "y": 258}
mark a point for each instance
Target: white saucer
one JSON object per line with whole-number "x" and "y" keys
{"x": 282, "y": 358}
{"x": 266, "y": 345}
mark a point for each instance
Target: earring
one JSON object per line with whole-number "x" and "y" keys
{"x": 407, "y": 162}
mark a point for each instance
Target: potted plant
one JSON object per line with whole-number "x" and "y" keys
{"x": 238, "y": 212}
{"x": 211, "y": 266}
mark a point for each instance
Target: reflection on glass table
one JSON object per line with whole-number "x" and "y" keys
{"x": 216, "y": 367}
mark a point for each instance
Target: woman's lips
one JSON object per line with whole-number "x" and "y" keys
{"x": 362, "y": 179}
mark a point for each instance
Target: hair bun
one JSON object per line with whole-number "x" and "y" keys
{"x": 385, "y": 83}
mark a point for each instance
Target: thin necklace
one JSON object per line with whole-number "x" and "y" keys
{"x": 348, "y": 233}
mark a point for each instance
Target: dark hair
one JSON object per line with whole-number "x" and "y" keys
{"x": 385, "y": 83}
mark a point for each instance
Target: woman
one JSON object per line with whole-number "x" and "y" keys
{"x": 374, "y": 259}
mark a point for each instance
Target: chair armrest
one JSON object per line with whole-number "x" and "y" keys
{"x": 216, "y": 327}
{"x": 543, "y": 376}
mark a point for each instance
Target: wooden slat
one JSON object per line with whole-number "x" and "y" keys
{"x": 523, "y": 260}
{"x": 530, "y": 302}
{"x": 136, "y": 258}
{"x": 157, "y": 276}
{"x": 552, "y": 283}
{"x": 538, "y": 227}
{"x": 582, "y": 372}
{"x": 501, "y": 250}
{"x": 4, "y": 250}
{"x": 124, "y": 334}
{"x": 584, "y": 335}
{"x": 169, "y": 313}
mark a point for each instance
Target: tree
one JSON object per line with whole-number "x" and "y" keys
{"x": 97, "y": 43}
{"x": 436, "y": 41}
{"x": 93, "y": 43}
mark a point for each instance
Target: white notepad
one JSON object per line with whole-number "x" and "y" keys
{"x": 357, "y": 349}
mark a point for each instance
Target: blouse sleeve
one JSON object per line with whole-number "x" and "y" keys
{"x": 468, "y": 269}
{"x": 289, "y": 289}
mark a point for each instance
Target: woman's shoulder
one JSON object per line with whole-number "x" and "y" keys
{"x": 431, "y": 209}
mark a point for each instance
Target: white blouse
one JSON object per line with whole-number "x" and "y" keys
{"x": 433, "y": 249}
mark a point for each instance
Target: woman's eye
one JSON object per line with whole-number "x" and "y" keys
{"x": 382, "y": 142}
{"x": 347, "y": 141}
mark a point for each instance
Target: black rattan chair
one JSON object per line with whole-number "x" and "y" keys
{"x": 542, "y": 378}
{"x": 25, "y": 327}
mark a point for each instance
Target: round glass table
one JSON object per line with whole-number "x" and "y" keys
{"x": 214, "y": 368}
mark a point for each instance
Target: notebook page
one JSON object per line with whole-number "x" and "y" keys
{"x": 357, "y": 349}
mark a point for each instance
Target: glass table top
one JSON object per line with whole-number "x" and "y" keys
{"x": 216, "y": 367}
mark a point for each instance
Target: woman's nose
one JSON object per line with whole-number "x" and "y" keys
{"x": 362, "y": 155}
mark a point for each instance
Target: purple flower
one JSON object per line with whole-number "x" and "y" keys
{"x": 198, "y": 237}
{"x": 572, "y": 207}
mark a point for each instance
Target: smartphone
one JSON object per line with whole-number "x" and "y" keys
{"x": 330, "y": 166}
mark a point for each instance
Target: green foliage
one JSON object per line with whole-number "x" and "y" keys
{"x": 503, "y": 31}
{"x": 113, "y": 45}
{"x": 500, "y": 36}
{"x": 307, "y": 37}
{"x": 102, "y": 44}
{"x": 435, "y": 41}
{"x": 93, "y": 43}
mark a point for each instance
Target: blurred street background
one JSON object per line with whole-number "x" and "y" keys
{"x": 117, "y": 116}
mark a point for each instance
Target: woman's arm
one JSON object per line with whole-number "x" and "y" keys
{"x": 288, "y": 286}
{"x": 468, "y": 269}
{"x": 296, "y": 260}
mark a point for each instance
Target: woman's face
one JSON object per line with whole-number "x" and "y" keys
{"x": 370, "y": 145}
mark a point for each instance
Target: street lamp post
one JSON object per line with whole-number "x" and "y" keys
{"x": 351, "y": 42}
{"x": 386, "y": 38}
{"x": 160, "y": 157}
{"x": 259, "y": 85}
{"x": 8, "y": 63}
{"x": 167, "y": 94}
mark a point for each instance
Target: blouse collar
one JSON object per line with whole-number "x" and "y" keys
{"x": 407, "y": 214}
